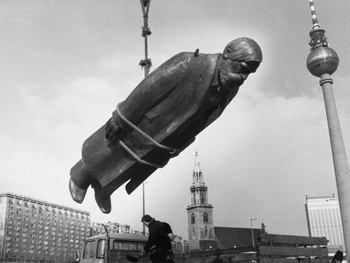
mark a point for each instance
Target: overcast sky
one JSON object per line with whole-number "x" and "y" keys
{"x": 65, "y": 64}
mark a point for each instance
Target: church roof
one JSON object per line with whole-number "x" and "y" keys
{"x": 230, "y": 237}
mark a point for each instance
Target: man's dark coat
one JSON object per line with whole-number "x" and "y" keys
{"x": 158, "y": 237}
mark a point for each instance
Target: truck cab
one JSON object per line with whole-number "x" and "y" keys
{"x": 112, "y": 248}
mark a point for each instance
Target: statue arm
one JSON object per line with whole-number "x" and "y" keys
{"x": 155, "y": 87}
{"x": 149, "y": 93}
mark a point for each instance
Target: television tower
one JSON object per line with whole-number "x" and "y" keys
{"x": 322, "y": 62}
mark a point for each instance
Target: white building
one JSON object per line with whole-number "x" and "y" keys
{"x": 323, "y": 219}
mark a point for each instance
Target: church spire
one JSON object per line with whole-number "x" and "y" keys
{"x": 200, "y": 213}
{"x": 197, "y": 171}
{"x": 198, "y": 188}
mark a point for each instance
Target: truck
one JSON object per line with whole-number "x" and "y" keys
{"x": 112, "y": 248}
{"x": 271, "y": 248}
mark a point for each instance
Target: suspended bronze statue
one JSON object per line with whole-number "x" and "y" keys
{"x": 160, "y": 118}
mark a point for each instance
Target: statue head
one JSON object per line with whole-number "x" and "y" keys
{"x": 240, "y": 58}
{"x": 244, "y": 50}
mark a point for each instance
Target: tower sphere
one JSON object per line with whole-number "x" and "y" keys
{"x": 322, "y": 60}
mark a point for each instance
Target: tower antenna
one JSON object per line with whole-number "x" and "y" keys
{"x": 313, "y": 14}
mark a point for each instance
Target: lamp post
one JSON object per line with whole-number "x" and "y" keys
{"x": 143, "y": 206}
{"x": 251, "y": 227}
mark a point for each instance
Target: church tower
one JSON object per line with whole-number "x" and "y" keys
{"x": 201, "y": 234}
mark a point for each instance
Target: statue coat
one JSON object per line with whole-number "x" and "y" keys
{"x": 172, "y": 105}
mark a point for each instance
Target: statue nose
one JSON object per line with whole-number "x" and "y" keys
{"x": 244, "y": 76}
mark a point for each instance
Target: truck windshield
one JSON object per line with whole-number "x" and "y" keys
{"x": 89, "y": 250}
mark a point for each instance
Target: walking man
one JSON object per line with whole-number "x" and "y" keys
{"x": 158, "y": 244}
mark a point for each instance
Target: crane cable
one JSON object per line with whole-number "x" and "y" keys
{"x": 145, "y": 63}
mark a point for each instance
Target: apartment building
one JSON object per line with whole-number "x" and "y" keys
{"x": 33, "y": 230}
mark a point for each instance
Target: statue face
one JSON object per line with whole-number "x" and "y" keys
{"x": 232, "y": 74}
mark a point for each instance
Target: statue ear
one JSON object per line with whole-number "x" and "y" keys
{"x": 227, "y": 51}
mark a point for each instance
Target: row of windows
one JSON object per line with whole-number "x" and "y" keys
{"x": 193, "y": 218}
{"x": 43, "y": 240}
{"x": 45, "y": 224}
{"x": 89, "y": 251}
{"x": 62, "y": 232}
{"x": 41, "y": 208}
{"x": 52, "y": 227}
{"x": 40, "y": 244}
{"x": 38, "y": 232}
{"x": 39, "y": 227}
{"x": 206, "y": 233}
{"x": 16, "y": 241}
{"x": 38, "y": 252}
{"x": 40, "y": 239}
{"x": 60, "y": 217}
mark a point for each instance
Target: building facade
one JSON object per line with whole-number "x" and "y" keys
{"x": 32, "y": 230}
{"x": 323, "y": 220}
{"x": 201, "y": 234}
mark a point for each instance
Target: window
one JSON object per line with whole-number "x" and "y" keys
{"x": 193, "y": 220}
{"x": 120, "y": 245}
{"x": 100, "y": 248}
{"x": 89, "y": 250}
{"x": 205, "y": 218}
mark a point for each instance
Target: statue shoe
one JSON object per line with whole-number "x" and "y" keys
{"x": 78, "y": 194}
{"x": 103, "y": 201}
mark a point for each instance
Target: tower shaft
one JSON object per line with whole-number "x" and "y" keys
{"x": 341, "y": 166}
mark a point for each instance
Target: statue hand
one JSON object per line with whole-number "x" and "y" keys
{"x": 112, "y": 130}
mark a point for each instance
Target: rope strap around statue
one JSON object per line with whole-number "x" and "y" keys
{"x": 138, "y": 158}
{"x": 171, "y": 150}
